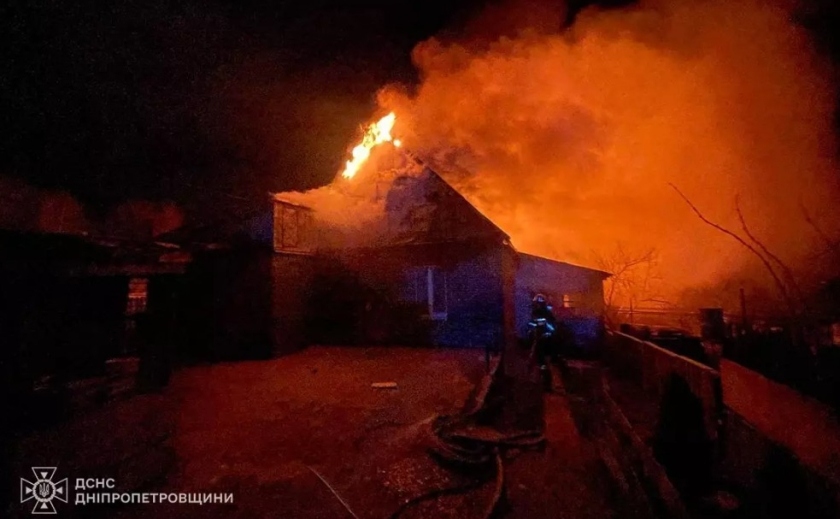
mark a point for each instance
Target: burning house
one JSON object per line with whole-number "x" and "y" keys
{"x": 423, "y": 266}
{"x": 395, "y": 255}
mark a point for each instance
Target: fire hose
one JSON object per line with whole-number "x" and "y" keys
{"x": 461, "y": 441}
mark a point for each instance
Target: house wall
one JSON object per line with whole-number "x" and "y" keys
{"x": 227, "y": 305}
{"x": 555, "y": 279}
{"x": 475, "y": 306}
{"x": 291, "y": 280}
{"x": 380, "y": 295}
{"x": 389, "y": 299}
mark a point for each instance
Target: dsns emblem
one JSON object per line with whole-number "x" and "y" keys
{"x": 43, "y": 490}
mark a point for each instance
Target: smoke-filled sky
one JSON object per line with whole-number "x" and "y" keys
{"x": 570, "y": 140}
{"x": 570, "y": 119}
{"x": 573, "y": 140}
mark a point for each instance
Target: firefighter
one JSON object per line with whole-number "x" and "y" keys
{"x": 542, "y": 328}
{"x": 540, "y": 309}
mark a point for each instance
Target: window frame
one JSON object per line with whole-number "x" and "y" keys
{"x": 137, "y": 300}
{"x": 423, "y": 280}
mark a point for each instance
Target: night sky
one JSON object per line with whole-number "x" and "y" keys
{"x": 206, "y": 102}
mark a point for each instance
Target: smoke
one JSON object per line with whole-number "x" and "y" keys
{"x": 143, "y": 219}
{"x": 354, "y": 213}
{"x": 569, "y": 140}
{"x": 24, "y": 207}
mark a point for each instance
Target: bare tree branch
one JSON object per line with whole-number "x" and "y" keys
{"x": 659, "y": 301}
{"x": 631, "y": 277}
{"x": 831, "y": 245}
{"x": 791, "y": 280}
{"x": 779, "y": 284}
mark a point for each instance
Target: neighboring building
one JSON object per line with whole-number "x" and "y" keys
{"x": 70, "y": 303}
{"x": 576, "y": 292}
{"x": 440, "y": 273}
{"x": 244, "y": 293}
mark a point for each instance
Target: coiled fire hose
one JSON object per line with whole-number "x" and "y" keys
{"x": 460, "y": 441}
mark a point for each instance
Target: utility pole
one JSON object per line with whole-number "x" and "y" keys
{"x": 744, "y": 322}
{"x": 509, "y": 265}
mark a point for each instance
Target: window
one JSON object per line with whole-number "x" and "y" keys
{"x": 428, "y": 286}
{"x": 293, "y": 227}
{"x": 138, "y": 292}
{"x": 437, "y": 293}
{"x": 571, "y": 301}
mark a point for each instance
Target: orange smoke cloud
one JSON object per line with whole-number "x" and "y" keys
{"x": 568, "y": 141}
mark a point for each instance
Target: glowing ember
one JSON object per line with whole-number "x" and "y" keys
{"x": 376, "y": 134}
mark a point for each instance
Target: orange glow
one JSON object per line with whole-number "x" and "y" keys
{"x": 569, "y": 143}
{"x": 376, "y": 134}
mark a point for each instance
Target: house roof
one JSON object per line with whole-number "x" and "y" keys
{"x": 501, "y": 231}
{"x": 422, "y": 208}
{"x": 278, "y": 197}
{"x": 86, "y": 254}
{"x": 222, "y": 232}
{"x": 531, "y": 257}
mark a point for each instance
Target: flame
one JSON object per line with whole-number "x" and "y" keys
{"x": 376, "y": 134}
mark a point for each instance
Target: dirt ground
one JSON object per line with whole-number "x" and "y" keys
{"x": 261, "y": 431}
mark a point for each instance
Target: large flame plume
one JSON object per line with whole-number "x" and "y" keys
{"x": 376, "y": 134}
{"x": 568, "y": 140}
